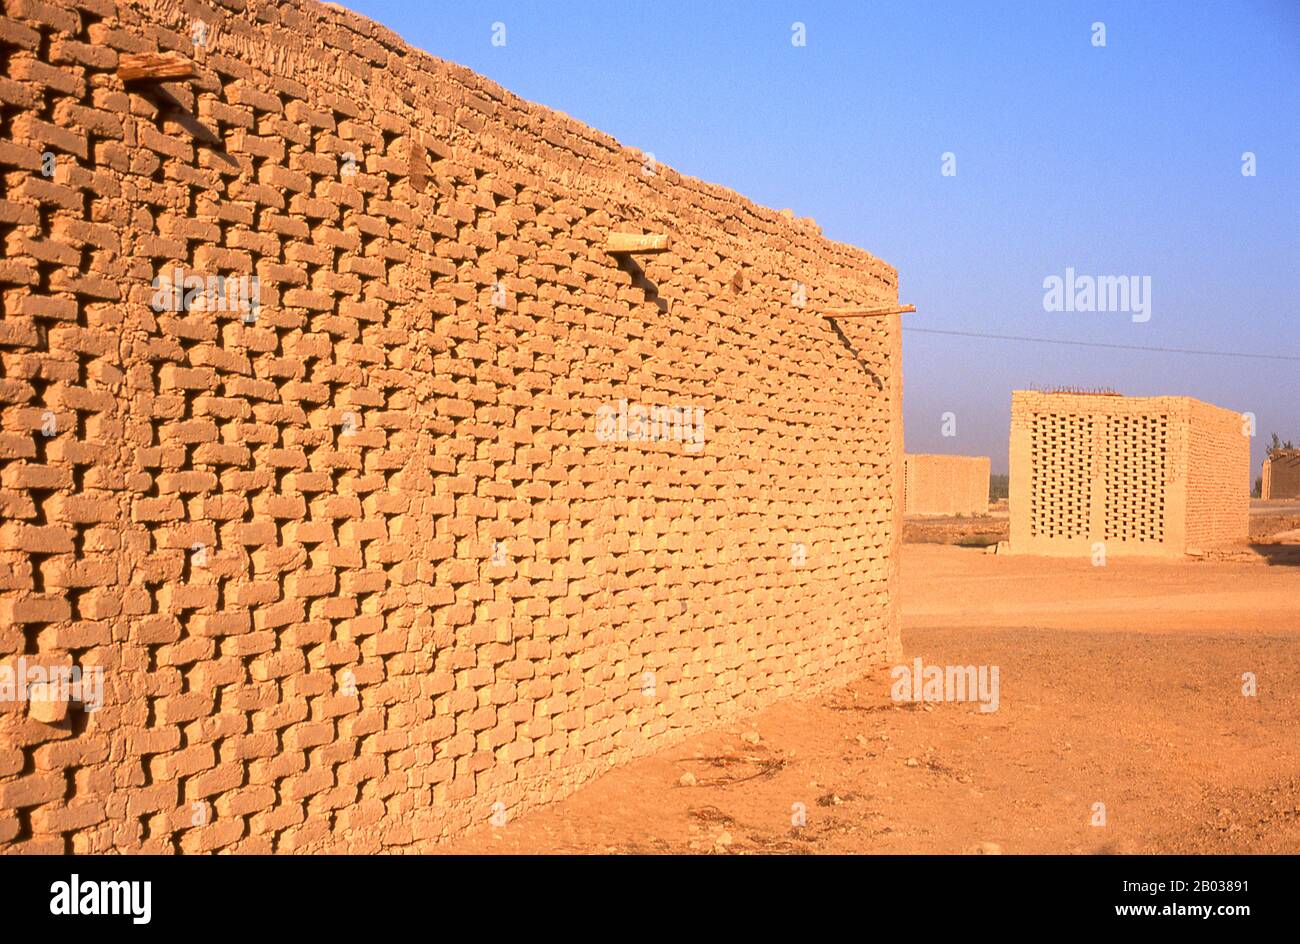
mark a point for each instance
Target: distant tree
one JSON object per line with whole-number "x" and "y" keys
{"x": 999, "y": 487}
{"x": 1277, "y": 445}
{"x": 1258, "y": 490}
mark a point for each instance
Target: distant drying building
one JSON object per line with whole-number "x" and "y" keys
{"x": 945, "y": 485}
{"x": 1281, "y": 474}
{"x": 1143, "y": 475}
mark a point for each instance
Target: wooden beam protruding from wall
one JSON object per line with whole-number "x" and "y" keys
{"x": 866, "y": 312}
{"x": 154, "y": 67}
{"x": 632, "y": 242}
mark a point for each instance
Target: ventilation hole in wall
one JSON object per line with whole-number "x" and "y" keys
{"x": 1136, "y": 460}
{"x": 1060, "y": 492}
{"x": 78, "y": 718}
{"x": 24, "y": 825}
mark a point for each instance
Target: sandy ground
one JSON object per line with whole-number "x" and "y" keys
{"x": 1119, "y": 685}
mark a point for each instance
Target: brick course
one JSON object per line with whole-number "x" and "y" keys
{"x": 358, "y": 566}
{"x": 946, "y": 485}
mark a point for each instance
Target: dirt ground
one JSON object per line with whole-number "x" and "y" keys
{"x": 963, "y": 530}
{"x": 1119, "y": 685}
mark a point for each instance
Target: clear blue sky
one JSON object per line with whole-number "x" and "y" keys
{"x": 1122, "y": 160}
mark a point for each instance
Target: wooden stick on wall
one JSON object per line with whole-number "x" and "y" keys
{"x": 154, "y": 67}
{"x": 631, "y": 242}
{"x": 866, "y": 312}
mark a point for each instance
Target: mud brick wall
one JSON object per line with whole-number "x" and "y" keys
{"x": 1142, "y": 475}
{"x": 946, "y": 485}
{"x": 362, "y": 567}
{"x": 1218, "y": 478}
{"x": 1281, "y": 476}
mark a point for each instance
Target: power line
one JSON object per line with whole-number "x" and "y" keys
{"x": 1121, "y": 347}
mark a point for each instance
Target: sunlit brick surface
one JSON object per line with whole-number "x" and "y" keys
{"x": 359, "y": 571}
{"x": 946, "y": 485}
{"x": 1143, "y": 475}
{"x": 1281, "y": 475}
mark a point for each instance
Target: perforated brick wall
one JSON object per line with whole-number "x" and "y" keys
{"x": 946, "y": 485}
{"x": 1141, "y": 475}
{"x": 1281, "y": 476}
{"x": 465, "y": 509}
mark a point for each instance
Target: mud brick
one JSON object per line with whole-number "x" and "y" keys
{"x": 241, "y": 802}
{"x": 229, "y": 623}
{"x": 166, "y": 146}
{"x": 83, "y": 509}
{"x": 221, "y": 834}
{"x": 282, "y": 817}
{"x": 310, "y": 584}
{"x": 42, "y": 191}
{"x": 16, "y": 93}
{"x": 33, "y": 790}
{"x": 100, "y": 123}
{"x": 25, "y": 476}
{"x": 18, "y": 155}
{"x": 303, "y": 786}
{"x": 46, "y": 14}
{"x": 172, "y": 376}
{"x": 176, "y": 598}
{"x": 144, "y": 510}
{"x": 39, "y": 73}
{"x": 18, "y": 334}
{"x": 175, "y": 709}
{"x": 79, "y": 753}
{"x": 362, "y": 625}
{"x": 228, "y": 115}
{"x": 280, "y": 614}
{"x": 283, "y": 178}
{"x": 218, "y": 780}
{"x": 77, "y": 816}
{"x": 308, "y": 734}
{"x": 13, "y": 761}
{"x": 284, "y": 458}
{"x": 14, "y": 33}
{"x": 35, "y": 539}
